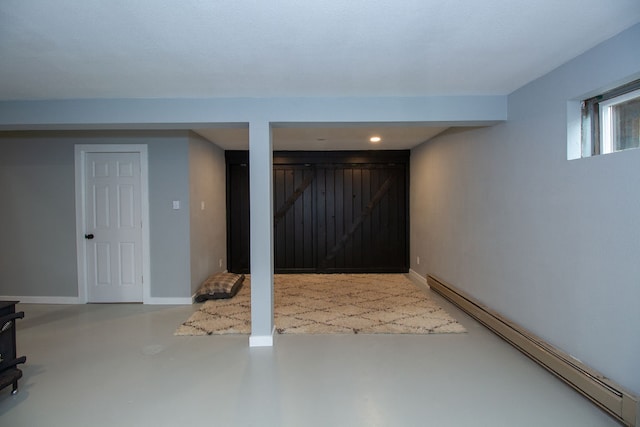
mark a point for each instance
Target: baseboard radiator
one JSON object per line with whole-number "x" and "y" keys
{"x": 609, "y": 396}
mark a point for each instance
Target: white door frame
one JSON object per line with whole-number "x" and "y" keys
{"x": 81, "y": 151}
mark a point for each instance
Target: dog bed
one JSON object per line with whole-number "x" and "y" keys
{"x": 219, "y": 286}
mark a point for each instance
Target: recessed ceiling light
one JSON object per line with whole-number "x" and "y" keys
{"x": 375, "y": 139}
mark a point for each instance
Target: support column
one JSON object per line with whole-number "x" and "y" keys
{"x": 261, "y": 221}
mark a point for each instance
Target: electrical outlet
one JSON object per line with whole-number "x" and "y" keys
{"x": 220, "y": 262}
{"x": 418, "y": 260}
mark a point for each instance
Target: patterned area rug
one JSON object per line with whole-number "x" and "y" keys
{"x": 330, "y": 304}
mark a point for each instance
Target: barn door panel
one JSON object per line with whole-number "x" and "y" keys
{"x": 294, "y": 227}
{"x": 363, "y": 226}
{"x": 238, "y": 248}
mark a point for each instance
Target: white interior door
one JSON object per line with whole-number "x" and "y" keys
{"x": 113, "y": 227}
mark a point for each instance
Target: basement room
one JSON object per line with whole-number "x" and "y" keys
{"x": 328, "y": 213}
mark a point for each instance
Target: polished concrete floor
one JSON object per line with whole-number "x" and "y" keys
{"x": 120, "y": 365}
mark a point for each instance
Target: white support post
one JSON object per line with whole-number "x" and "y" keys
{"x": 261, "y": 222}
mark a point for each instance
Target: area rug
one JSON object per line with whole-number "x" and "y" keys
{"x": 330, "y": 304}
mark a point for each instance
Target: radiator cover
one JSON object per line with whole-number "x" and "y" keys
{"x": 611, "y": 397}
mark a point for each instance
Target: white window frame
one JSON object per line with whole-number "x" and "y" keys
{"x": 584, "y": 135}
{"x": 607, "y": 131}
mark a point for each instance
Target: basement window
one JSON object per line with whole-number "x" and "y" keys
{"x": 610, "y": 121}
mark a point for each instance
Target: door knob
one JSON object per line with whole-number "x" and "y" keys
{"x": 89, "y": 236}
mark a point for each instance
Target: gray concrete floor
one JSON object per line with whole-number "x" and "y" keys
{"x": 120, "y": 365}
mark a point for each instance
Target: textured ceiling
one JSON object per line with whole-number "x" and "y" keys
{"x": 231, "y": 48}
{"x": 330, "y": 138}
{"x": 289, "y": 48}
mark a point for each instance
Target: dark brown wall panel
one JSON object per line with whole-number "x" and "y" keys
{"x": 333, "y": 212}
{"x": 365, "y": 227}
{"x": 294, "y": 217}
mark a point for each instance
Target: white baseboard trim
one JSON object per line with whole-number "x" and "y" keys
{"x": 421, "y": 280}
{"x": 168, "y": 301}
{"x": 41, "y": 300}
{"x": 262, "y": 340}
{"x": 76, "y": 300}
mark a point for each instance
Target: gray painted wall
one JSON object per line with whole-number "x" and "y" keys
{"x": 208, "y": 230}
{"x": 37, "y": 225}
{"x": 553, "y": 244}
{"x": 37, "y": 221}
{"x": 169, "y": 229}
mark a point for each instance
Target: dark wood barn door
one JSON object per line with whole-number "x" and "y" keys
{"x": 362, "y": 218}
{"x": 293, "y": 219}
{"x": 238, "y": 249}
{"x": 333, "y": 212}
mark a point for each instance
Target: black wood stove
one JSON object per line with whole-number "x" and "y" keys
{"x": 9, "y": 372}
